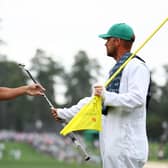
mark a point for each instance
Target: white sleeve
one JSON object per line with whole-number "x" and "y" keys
{"x": 137, "y": 77}
{"x": 68, "y": 113}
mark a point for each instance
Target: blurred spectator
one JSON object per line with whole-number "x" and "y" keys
{"x": 57, "y": 146}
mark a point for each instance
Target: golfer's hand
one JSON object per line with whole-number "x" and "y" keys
{"x": 98, "y": 90}
{"x": 34, "y": 89}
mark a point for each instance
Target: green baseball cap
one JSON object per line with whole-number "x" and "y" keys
{"x": 119, "y": 30}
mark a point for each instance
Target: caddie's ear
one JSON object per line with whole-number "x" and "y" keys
{"x": 132, "y": 38}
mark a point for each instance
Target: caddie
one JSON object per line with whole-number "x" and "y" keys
{"x": 123, "y": 139}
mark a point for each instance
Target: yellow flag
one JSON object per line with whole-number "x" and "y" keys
{"x": 89, "y": 117}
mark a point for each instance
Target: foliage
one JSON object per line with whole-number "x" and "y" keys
{"x": 11, "y": 111}
{"x": 23, "y": 112}
{"x": 83, "y": 74}
{"x": 154, "y": 148}
{"x": 46, "y": 69}
{"x": 158, "y": 108}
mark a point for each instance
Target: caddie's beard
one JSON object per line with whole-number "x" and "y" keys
{"x": 112, "y": 52}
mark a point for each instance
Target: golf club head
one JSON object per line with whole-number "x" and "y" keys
{"x": 21, "y": 65}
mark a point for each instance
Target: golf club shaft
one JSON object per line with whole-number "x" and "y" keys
{"x": 63, "y": 122}
{"x": 44, "y": 95}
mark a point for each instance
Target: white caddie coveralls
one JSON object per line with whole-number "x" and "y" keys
{"x": 123, "y": 139}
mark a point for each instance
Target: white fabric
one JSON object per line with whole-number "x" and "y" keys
{"x": 123, "y": 140}
{"x": 68, "y": 113}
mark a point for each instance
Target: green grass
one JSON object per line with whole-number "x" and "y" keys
{"x": 153, "y": 154}
{"x": 33, "y": 159}
{"x": 28, "y": 153}
{"x": 41, "y": 164}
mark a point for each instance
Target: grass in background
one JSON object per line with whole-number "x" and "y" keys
{"x": 42, "y": 164}
{"x": 153, "y": 151}
{"x": 33, "y": 159}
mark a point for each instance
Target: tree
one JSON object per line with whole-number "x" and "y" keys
{"x": 81, "y": 77}
{"x": 13, "y": 114}
{"x": 153, "y": 114}
{"x": 46, "y": 70}
{"x": 158, "y": 109}
{"x": 163, "y": 98}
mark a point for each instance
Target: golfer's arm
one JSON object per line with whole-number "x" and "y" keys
{"x": 11, "y": 93}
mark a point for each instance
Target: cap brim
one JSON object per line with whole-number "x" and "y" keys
{"x": 104, "y": 36}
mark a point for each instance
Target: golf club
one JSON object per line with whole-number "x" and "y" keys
{"x": 63, "y": 122}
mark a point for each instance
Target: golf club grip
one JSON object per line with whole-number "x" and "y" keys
{"x": 80, "y": 147}
{"x": 77, "y": 143}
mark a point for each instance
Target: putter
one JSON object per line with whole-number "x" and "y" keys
{"x": 72, "y": 135}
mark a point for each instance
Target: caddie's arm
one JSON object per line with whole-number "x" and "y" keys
{"x": 68, "y": 113}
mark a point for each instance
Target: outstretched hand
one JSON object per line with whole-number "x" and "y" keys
{"x": 35, "y": 89}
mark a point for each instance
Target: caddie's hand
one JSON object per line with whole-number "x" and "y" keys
{"x": 35, "y": 90}
{"x": 98, "y": 90}
{"x": 54, "y": 113}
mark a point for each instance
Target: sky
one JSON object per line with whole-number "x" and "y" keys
{"x": 63, "y": 27}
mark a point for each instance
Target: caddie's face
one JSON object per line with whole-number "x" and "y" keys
{"x": 111, "y": 47}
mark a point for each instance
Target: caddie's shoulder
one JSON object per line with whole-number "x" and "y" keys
{"x": 136, "y": 65}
